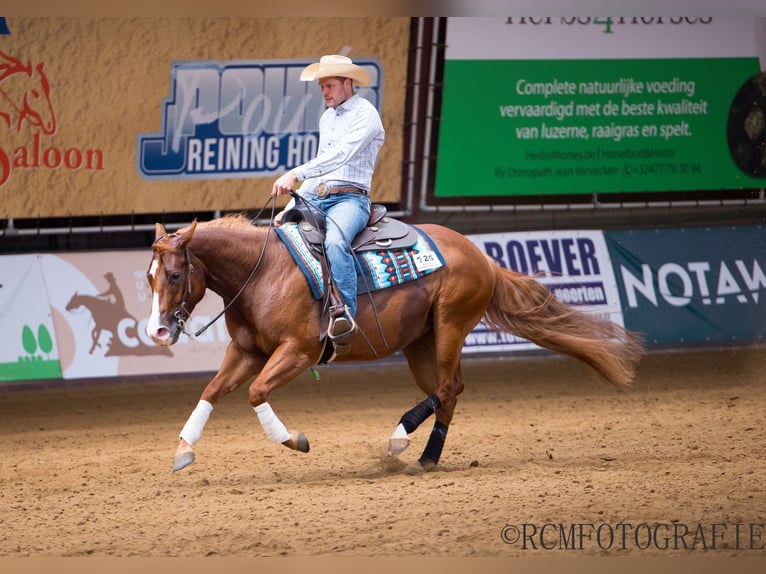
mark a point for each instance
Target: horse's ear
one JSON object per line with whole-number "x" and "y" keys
{"x": 159, "y": 231}
{"x": 188, "y": 234}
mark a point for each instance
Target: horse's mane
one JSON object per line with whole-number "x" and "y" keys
{"x": 233, "y": 221}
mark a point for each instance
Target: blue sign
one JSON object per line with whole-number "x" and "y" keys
{"x": 693, "y": 285}
{"x": 238, "y": 119}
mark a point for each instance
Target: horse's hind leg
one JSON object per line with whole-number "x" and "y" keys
{"x": 442, "y": 398}
{"x": 433, "y": 450}
{"x": 421, "y": 360}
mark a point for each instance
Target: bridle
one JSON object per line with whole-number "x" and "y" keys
{"x": 181, "y": 314}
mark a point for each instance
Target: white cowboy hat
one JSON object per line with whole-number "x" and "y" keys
{"x": 335, "y": 65}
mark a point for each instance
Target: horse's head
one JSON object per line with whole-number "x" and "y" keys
{"x": 177, "y": 284}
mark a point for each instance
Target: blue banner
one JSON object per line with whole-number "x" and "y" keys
{"x": 238, "y": 119}
{"x": 692, "y": 286}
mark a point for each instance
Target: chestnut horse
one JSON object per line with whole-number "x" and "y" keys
{"x": 274, "y": 323}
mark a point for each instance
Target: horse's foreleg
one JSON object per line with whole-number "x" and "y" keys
{"x": 190, "y": 434}
{"x": 237, "y": 367}
{"x": 283, "y": 366}
{"x": 277, "y": 431}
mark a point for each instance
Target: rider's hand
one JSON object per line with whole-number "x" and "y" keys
{"x": 278, "y": 218}
{"x": 284, "y": 184}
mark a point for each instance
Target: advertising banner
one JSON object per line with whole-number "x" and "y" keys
{"x": 574, "y": 265}
{"x": 84, "y": 315}
{"x": 101, "y": 303}
{"x": 550, "y": 106}
{"x": 114, "y": 116}
{"x": 692, "y": 286}
{"x": 239, "y": 119}
{"x": 29, "y": 349}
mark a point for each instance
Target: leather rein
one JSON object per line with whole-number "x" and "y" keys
{"x": 181, "y": 314}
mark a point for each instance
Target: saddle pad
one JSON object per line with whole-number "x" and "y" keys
{"x": 375, "y": 270}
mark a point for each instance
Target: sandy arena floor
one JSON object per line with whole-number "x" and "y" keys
{"x": 541, "y": 459}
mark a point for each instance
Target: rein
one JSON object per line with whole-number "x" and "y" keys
{"x": 252, "y": 273}
{"x": 179, "y": 314}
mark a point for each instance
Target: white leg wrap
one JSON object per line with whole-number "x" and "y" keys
{"x": 273, "y": 427}
{"x": 193, "y": 428}
{"x": 399, "y": 432}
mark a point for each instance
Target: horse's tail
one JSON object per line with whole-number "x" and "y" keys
{"x": 525, "y": 307}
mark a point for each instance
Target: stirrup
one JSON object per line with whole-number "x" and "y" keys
{"x": 341, "y": 323}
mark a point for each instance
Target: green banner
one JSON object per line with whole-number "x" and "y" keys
{"x": 532, "y": 127}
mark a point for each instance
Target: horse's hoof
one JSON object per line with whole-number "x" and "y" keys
{"x": 399, "y": 441}
{"x": 183, "y": 460}
{"x": 417, "y": 467}
{"x": 414, "y": 468}
{"x": 397, "y": 446}
{"x": 297, "y": 441}
{"x": 302, "y": 443}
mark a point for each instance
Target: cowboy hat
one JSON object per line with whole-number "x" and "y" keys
{"x": 335, "y": 65}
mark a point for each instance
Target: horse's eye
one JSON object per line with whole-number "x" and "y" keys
{"x": 174, "y": 276}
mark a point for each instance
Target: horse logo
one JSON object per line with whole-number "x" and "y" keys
{"x": 110, "y": 318}
{"x": 25, "y": 95}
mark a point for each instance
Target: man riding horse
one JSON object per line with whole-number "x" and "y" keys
{"x": 337, "y": 181}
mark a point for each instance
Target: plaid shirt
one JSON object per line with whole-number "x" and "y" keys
{"x": 350, "y": 137}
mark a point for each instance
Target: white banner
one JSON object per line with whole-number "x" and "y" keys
{"x": 574, "y": 265}
{"x": 83, "y": 315}
{"x": 101, "y": 303}
{"x": 28, "y": 349}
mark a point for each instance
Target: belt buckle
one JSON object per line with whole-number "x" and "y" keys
{"x": 323, "y": 190}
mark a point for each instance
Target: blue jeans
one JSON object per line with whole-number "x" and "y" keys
{"x": 347, "y": 214}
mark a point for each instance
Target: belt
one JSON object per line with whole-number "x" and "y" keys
{"x": 324, "y": 190}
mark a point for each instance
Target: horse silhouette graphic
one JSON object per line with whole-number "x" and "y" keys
{"x": 110, "y": 318}
{"x": 25, "y": 95}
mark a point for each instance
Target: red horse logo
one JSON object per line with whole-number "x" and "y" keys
{"x": 25, "y": 95}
